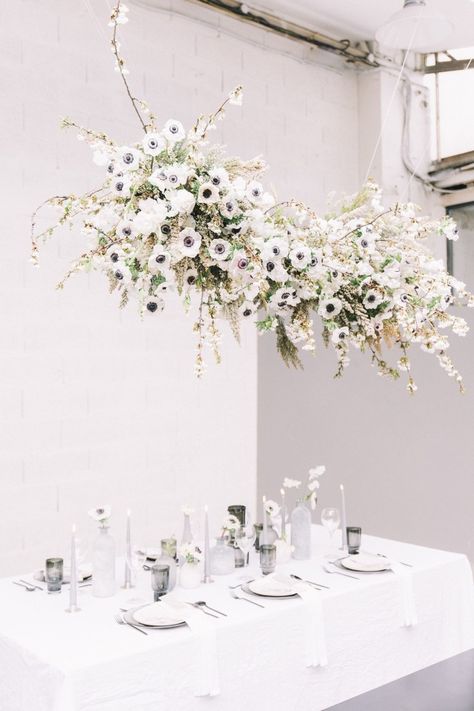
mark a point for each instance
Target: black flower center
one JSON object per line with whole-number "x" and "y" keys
{"x": 119, "y": 186}
{"x": 191, "y": 279}
{"x": 275, "y": 250}
{"x": 173, "y": 179}
{"x": 300, "y": 255}
{"x": 188, "y": 241}
{"x": 256, "y": 192}
{"x": 173, "y": 128}
{"x": 335, "y": 274}
{"x": 364, "y": 243}
{"x": 110, "y": 167}
{"x": 216, "y": 180}
{"x": 206, "y": 193}
{"x": 371, "y": 298}
{"x": 119, "y": 274}
{"x": 114, "y": 257}
{"x": 243, "y": 263}
{"x": 152, "y": 306}
{"x": 220, "y": 248}
{"x": 247, "y": 312}
{"x": 285, "y": 295}
{"x": 128, "y": 158}
{"x": 127, "y": 231}
{"x": 165, "y": 229}
{"x": 314, "y": 261}
{"x": 270, "y": 266}
{"x": 160, "y": 259}
{"x": 330, "y": 308}
{"x": 153, "y": 143}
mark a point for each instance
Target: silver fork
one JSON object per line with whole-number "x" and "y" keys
{"x": 120, "y": 620}
{"x": 239, "y": 597}
{"x": 198, "y": 607}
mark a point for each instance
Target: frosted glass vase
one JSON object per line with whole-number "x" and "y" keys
{"x": 103, "y": 565}
{"x": 222, "y": 558}
{"x": 301, "y": 531}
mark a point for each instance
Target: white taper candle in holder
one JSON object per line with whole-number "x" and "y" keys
{"x": 207, "y": 559}
{"x": 127, "y": 583}
{"x": 283, "y": 514}
{"x": 343, "y": 519}
{"x": 73, "y": 607}
{"x": 264, "y": 529}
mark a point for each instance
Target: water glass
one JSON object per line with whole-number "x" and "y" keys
{"x": 244, "y": 539}
{"x": 267, "y": 558}
{"x": 54, "y": 574}
{"x": 160, "y": 580}
{"x": 354, "y": 536}
{"x": 239, "y": 511}
{"x": 330, "y": 518}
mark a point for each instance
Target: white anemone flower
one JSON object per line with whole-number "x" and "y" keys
{"x": 285, "y": 296}
{"x": 275, "y": 248}
{"x": 176, "y": 175}
{"x": 339, "y": 335}
{"x": 189, "y": 242}
{"x": 247, "y": 309}
{"x": 275, "y": 270}
{"x": 372, "y": 299}
{"x": 158, "y": 261}
{"x": 159, "y": 179}
{"x": 329, "y": 308}
{"x": 129, "y": 158}
{"x": 153, "y": 144}
{"x": 219, "y": 249}
{"x": 219, "y": 177}
{"x": 254, "y": 191}
{"x": 173, "y": 131}
{"x": 208, "y": 194}
{"x": 272, "y": 508}
{"x": 122, "y": 273}
{"x": 240, "y": 262}
{"x": 125, "y": 229}
{"x": 190, "y": 278}
{"x": 154, "y": 305}
{"x": 316, "y": 472}
{"x": 229, "y": 208}
{"x": 121, "y": 186}
{"x": 101, "y": 514}
{"x": 300, "y": 256}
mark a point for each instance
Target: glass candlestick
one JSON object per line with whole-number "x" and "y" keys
{"x": 54, "y": 574}
{"x": 160, "y": 580}
{"x": 267, "y": 558}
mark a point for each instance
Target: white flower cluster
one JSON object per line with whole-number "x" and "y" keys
{"x": 174, "y": 214}
{"x": 190, "y": 553}
{"x": 312, "y": 486}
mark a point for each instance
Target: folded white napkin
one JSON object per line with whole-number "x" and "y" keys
{"x": 315, "y": 637}
{"x": 207, "y": 672}
{"x": 405, "y": 575}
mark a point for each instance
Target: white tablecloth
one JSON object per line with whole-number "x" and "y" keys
{"x": 53, "y": 661}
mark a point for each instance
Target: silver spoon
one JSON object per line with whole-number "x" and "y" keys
{"x": 29, "y": 588}
{"x": 120, "y": 619}
{"x": 239, "y": 597}
{"x": 199, "y": 607}
{"x": 328, "y": 567}
{"x": 202, "y": 603}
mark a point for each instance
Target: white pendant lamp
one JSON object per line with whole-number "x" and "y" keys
{"x": 416, "y": 26}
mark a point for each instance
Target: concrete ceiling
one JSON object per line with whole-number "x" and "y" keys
{"x": 358, "y": 19}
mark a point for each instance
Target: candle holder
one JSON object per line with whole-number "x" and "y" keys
{"x": 206, "y": 579}
{"x": 160, "y": 580}
{"x": 354, "y": 537}
{"x": 72, "y": 608}
{"x": 53, "y": 574}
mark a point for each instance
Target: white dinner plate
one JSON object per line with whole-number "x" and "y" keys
{"x": 155, "y": 615}
{"x": 366, "y": 563}
{"x": 266, "y": 587}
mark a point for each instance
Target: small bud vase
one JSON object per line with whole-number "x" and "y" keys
{"x": 103, "y": 564}
{"x": 301, "y": 531}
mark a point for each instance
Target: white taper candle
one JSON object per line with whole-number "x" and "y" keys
{"x": 283, "y": 513}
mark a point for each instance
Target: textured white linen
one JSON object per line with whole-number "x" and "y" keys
{"x": 52, "y": 661}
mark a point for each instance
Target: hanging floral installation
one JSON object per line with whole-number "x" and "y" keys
{"x": 175, "y": 213}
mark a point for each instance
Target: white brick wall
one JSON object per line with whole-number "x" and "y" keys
{"x": 96, "y": 406}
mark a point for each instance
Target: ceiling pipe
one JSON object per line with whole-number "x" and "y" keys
{"x": 291, "y": 30}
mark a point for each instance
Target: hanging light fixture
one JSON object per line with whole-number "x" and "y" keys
{"x": 416, "y": 26}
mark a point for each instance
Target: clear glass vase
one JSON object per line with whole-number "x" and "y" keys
{"x": 103, "y": 564}
{"x": 222, "y": 558}
{"x": 301, "y": 531}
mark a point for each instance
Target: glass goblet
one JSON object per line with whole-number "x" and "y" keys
{"x": 330, "y": 518}
{"x": 244, "y": 540}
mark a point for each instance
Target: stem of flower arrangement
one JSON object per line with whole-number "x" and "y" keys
{"x": 115, "y": 50}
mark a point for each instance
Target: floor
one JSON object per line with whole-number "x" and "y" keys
{"x": 447, "y": 686}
